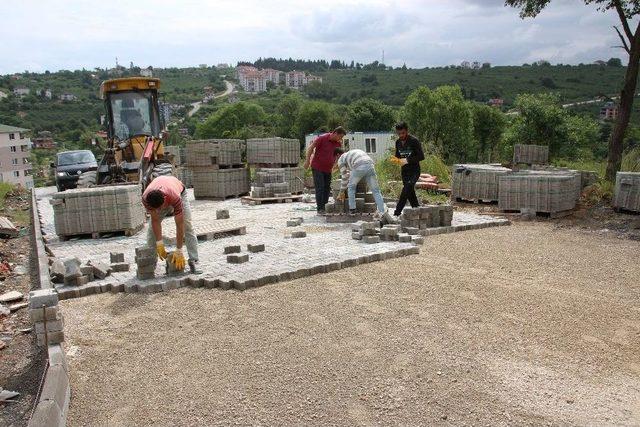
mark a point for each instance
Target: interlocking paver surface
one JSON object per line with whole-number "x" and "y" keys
{"x": 324, "y": 243}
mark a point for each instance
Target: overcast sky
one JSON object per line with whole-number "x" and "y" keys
{"x": 40, "y": 35}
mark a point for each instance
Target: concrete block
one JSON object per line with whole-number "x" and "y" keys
{"x": 146, "y": 268}
{"x": 57, "y": 357}
{"x": 356, "y": 235}
{"x": 293, "y": 223}
{"x": 117, "y": 287}
{"x": 141, "y": 275}
{"x": 210, "y": 283}
{"x": 418, "y": 240}
{"x": 412, "y": 231}
{"x": 232, "y": 249}
{"x": 53, "y": 337}
{"x": 120, "y": 267}
{"x": 100, "y": 270}
{"x": 237, "y": 259}
{"x": 224, "y": 285}
{"x": 116, "y": 257}
{"x": 52, "y": 326}
{"x": 130, "y": 288}
{"x": 146, "y": 261}
{"x": 40, "y": 297}
{"x": 222, "y": 214}
{"x": 404, "y": 238}
{"x": 371, "y": 239}
{"x": 145, "y": 252}
{"x": 49, "y": 313}
{"x": 255, "y": 247}
{"x": 298, "y": 234}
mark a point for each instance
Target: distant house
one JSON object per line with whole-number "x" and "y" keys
{"x": 222, "y": 65}
{"x": 3, "y": 95}
{"x": 465, "y": 64}
{"x": 496, "y": 102}
{"x": 47, "y": 93}
{"x": 476, "y": 65}
{"x": 21, "y": 91}
{"x": 378, "y": 145}
{"x": 44, "y": 141}
{"x": 486, "y": 65}
{"x": 609, "y": 111}
{"x": 15, "y": 148}
{"x": 600, "y": 62}
{"x": 68, "y": 97}
{"x": 147, "y": 72}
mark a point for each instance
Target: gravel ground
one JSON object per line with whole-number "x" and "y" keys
{"x": 520, "y": 325}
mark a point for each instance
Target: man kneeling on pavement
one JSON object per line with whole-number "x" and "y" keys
{"x": 167, "y": 196}
{"x": 357, "y": 165}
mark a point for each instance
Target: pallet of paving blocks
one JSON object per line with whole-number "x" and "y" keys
{"x": 175, "y": 154}
{"x": 627, "y": 192}
{"x": 476, "y": 183}
{"x": 220, "y": 183}
{"x": 214, "y": 153}
{"x": 98, "y": 210}
{"x": 278, "y": 182}
{"x": 551, "y": 170}
{"x": 276, "y": 152}
{"x": 530, "y": 154}
{"x": 185, "y": 175}
{"x": 537, "y": 192}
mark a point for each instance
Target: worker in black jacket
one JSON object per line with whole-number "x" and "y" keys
{"x": 409, "y": 152}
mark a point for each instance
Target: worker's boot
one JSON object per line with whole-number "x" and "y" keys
{"x": 387, "y": 218}
{"x": 192, "y": 267}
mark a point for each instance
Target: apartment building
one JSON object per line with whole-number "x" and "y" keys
{"x": 254, "y": 80}
{"x": 609, "y": 111}
{"x": 15, "y": 148}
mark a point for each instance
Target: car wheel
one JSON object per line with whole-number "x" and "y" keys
{"x": 87, "y": 179}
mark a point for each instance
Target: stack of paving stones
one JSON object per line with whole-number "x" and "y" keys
{"x": 273, "y": 151}
{"x": 537, "y": 191}
{"x": 627, "y": 191}
{"x": 217, "y": 168}
{"x": 530, "y": 154}
{"x": 475, "y": 182}
{"x": 370, "y": 232}
{"x": 146, "y": 259}
{"x": 118, "y": 264}
{"x": 47, "y": 320}
{"x": 98, "y": 210}
{"x": 71, "y": 272}
{"x": 170, "y": 268}
{"x": 582, "y": 178}
{"x": 417, "y": 221}
{"x": 365, "y": 203}
{"x": 270, "y": 182}
{"x": 177, "y": 156}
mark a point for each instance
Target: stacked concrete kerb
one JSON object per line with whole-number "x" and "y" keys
{"x": 530, "y": 154}
{"x": 98, "y": 210}
{"x": 552, "y": 170}
{"x": 627, "y": 191}
{"x": 537, "y": 191}
{"x": 365, "y": 203}
{"x": 217, "y": 168}
{"x": 45, "y": 316}
{"x": 474, "y": 182}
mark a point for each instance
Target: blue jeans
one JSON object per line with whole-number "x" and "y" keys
{"x": 367, "y": 172}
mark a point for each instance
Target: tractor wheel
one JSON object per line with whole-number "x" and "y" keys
{"x": 162, "y": 169}
{"x": 87, "y": 179}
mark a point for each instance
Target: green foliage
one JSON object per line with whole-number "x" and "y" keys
{"x": 442, "y": 120}
{"x": 434, "y": 165}
{"x": 5, "y": 188}
{"x": 488, "y": 126}
{"x": 239, "y": 120}
{"x": 631, "y": 160}
{"x": 369, "y": 115}
{"x": 313, "y": 116}
{"x": 287, "y": 113}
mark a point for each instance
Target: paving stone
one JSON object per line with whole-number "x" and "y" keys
{"x": 117, "y": 287}
{"x": 40, "y": 297}
{"x": 52, "y": 326}
{"x": 120, "y": 267}
{"x": 49, "y": 313}
{"x": 222, "y": 214}
{"x": 146, "y": 269}
{"x": 255, "y": 247}
{"x": 146, "y": 261}
{"x": 116, "y": 257}
{"x": 418, "y": 240}
{"x": 356, "y": 235}
{"x": 298, "y": 234}
{"x": 403, "y": 238}
{"x": 232, "y": 249}
{"x": 130, "y": 288}
{"x": 146, "y": 252}
{"x": 412, "y": 231}
{"x": 237, "y": 259}
{"x": 371, "y": 239}
{"x": 100, "y": 270}
{"x": 145, "y": 276}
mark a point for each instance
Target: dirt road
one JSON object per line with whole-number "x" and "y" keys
{"x": 520, "y": 325}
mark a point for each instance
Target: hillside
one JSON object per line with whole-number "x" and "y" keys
{"x": 573, "y": 83}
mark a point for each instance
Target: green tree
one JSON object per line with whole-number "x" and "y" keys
{"x": 488, "y": 126}
{"x": 231, "y": 121}
{"x": 442, "y": 119}
{"x": 287, "y": 111}
{"x": 368, "y": 114}
{"x": 312, "y": 116}
{"x": 630, "y": 43}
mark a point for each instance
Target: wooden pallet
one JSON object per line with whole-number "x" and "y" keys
{"x": 128, "y": 232}
{"x": 221, "y": 199}
{"x": 248, "y": 200}
{"x": 275, "y": 165}
{"x": 476, "y": 201}
{"x": 550, "y": 215}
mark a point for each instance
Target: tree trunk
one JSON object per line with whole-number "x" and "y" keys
{"x": 627, "y": 95}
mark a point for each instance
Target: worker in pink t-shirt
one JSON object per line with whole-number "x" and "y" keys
{"x": 167, "y": 196}
{"x": 321, "y": 157}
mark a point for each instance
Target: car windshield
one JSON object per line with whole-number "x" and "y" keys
{"x": 132, "y": 114}
{"x": 75, "y": 157}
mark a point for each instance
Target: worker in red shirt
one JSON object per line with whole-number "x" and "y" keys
{"x": 167, "y": 196}
{"x": 321, "y": 157}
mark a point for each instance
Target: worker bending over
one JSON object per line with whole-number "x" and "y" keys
{"x": 167, "y": 196}
{"x": 321, "y": 158}
{"x": 410, "y": 154}
{"x": 357, "y": 165}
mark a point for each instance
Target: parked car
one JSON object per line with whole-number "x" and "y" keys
{"x": 69, "y": 165}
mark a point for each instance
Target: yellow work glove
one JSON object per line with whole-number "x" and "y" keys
{"x": 178, "y": 259}
{"x": 341, "y": 197}
{"x": 395, "y": 160}
{"x": 160, "y": 250}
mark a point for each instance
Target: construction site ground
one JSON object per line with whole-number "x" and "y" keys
{"x": 532, "y": 324}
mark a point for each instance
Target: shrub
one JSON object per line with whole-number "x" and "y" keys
{"x": 631, "y": 160}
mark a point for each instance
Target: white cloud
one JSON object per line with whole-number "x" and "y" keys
{"x": 70, "y": 34}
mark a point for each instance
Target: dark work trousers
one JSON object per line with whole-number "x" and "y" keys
{"x": 322, "y": 183}
{"x": 409, "y": 180}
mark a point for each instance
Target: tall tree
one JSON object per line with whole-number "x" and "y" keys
{"x": 368, "y": 114}
{"x": 630, "y": 39}
{"x": 488, "y": 127}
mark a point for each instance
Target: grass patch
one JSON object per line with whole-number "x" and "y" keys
{"x": 599, "y": 193}
{"x": 598, "y": 166}
{"x": 5, "y": 188}
{"x": 631, "y": 161}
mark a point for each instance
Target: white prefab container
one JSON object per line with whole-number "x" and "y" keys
{"x": 627, "y": 192}
{"x": 475, "y": 182}
{"x": 377, "y": 144}
{"x": 98, "y": 210}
